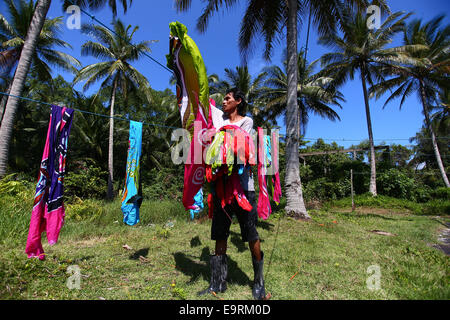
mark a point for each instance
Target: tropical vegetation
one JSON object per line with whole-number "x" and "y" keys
{"x": 386, "y": 184}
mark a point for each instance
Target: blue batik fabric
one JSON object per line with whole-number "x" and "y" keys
{"x": 131, "y": 200}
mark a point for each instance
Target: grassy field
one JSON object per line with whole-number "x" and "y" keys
{"x": 166, "y": 256}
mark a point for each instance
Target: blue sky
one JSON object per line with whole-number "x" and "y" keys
{"x": 219, "y": 48}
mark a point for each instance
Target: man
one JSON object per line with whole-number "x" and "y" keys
{"x": 234, "y": 107}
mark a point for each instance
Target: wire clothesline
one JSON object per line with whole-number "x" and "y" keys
{"x": 88, "y": 112}
{"x": 387, "y": 139}
{"x": 172, "y": 127}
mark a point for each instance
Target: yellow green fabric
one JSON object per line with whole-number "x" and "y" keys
{"x": 192, "y": 81}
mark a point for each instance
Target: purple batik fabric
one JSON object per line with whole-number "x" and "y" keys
{"x": 48, "y": 209}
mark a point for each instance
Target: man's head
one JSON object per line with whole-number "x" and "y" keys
{"x": 234, "y": 98}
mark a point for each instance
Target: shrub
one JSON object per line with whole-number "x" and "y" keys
{"x": 165, "y": 184}
{"x": 9, "y": 185}
{"x": 322, "y": 189}
{"x": 441, "y": 193}
{"x": 422, "y": 193}
{"x": 395, "y": 183}
{"x": 85, "y": 181}
{"x": 82, "y": 210}
{"x": 436, "y": 207}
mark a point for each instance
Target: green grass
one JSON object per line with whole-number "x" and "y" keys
{"x": 326, "y": 258}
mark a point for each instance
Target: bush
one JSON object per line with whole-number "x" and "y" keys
{"x": 89, "y": 210}
{"x": 441, "y": 193}
{"x": 85, "y": 181}
{"x": 422, "y": 193}
{"x": 9, "y": 185}
{"x": 395, "y": 183}
{"x": 16, "y": 203}
{"x": 165, "y": 184}
{"x": 436, "y": 207}
{"x": 322, "y": 189}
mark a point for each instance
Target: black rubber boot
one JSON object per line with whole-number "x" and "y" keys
{"x": 219, "y": 272}
{"x": 258, "y": 291}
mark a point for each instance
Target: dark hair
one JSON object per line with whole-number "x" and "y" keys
{"x": 238, "y": 94}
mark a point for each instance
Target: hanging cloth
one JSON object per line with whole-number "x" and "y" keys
{"x": 198, "y": 203}
{"x": 276, "y": 176}
{"x": 230, "y": 144}
{"x": 268, "y": 175}
{"x": 48, "y": 209}
{"x": 194, "y": 104}
{"x": 132, "y": 199}
{"x": 264, "y": 208}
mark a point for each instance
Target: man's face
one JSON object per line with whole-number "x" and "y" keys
{"x": 229, "y": 104}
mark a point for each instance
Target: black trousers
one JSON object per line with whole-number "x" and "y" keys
{"x": 221, "y": 221}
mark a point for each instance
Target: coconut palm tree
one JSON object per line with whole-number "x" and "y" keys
{"x": 269, "y": 18}
{"x": 422, "y": 71}
{"x": 440, "y": 119}
{"x": 424, "y": 153}
{"x": 314, "y": 93}
{"x": 24, "y": 63}
{"x": 361, "y": 50}
{"x": 13, "y": 34}
{"x": 250, "y": 86}
{"x": 117, "y": 51}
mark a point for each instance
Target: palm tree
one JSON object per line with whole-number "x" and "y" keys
{"x": 421, "y": 71}
{"x": 117, "y": 51}
{"x": 13, "y": 34}
{"x": 268, "y": 18}
{"x": 251, "y": 87}
{"x": 440, "y": 120}
{"x": 314, "y": 93}
{"x": 362, "y": 50}
{"x": 28, "y": 50}
{"x": 90, "y": 129}
{"x": 217, "y": 88}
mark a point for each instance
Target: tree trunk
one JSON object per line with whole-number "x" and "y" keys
{"x": 433, "y": 136}
{"x": 110, "y": 194}
{"x": 3, "y": 102}
{"x": 373, "y": 167}
{"x": 295, "y": 205}
{"x": 20, "y": 77}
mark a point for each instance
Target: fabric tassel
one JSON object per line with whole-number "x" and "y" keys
{"x": 275, "y": 163}
{"x": 263, "y": 208}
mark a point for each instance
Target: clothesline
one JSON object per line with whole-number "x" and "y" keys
{"x": 88, "y": 112}
{"x": 167, "y": 69}
{"x": 172, "y": 127}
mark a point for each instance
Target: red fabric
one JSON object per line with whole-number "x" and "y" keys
{"x": 210, "y": 205}
{"x": 194, "y": 169}
{"x": 277, "y": 185}
{"x": 242, "y": 146}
